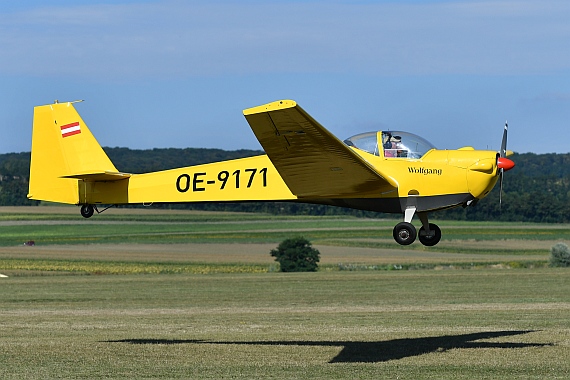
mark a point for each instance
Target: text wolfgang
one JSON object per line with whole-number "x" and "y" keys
{"x": 424, "y": 171}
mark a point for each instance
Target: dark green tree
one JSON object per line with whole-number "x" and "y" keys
{"x": 537, "y": 190}
{"x": 296, "y": 255}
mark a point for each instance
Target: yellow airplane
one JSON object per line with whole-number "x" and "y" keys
{"x": 384, "y": 171}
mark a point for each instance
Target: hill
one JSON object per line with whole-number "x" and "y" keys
{"x": 536, "y": 190}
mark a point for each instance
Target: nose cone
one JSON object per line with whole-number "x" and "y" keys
{"x": 505, "y": 163}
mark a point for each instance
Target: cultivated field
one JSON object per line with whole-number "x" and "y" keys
{"x": 174, "y": 294}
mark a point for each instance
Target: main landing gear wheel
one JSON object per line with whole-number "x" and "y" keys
{"x": 87, "y": 211}
{"x": 404, "y": 233}
{"x": 433, "y": 238}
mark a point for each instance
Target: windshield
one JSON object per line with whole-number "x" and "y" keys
{"x": 367, "y": 142}
{"x": 393, "y": 143}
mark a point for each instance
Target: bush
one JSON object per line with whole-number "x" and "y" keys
{"x": 296, "y": 255}
{"x": 560, "y": 255}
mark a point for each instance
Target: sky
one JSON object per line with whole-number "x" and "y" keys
{"x": 177, "y": 74}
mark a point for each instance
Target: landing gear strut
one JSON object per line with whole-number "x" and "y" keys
{"x": 405, "y": 233}
{"x": 88, "y": 210}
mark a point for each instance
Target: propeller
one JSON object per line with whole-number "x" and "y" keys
{"x": 503, "y": 163}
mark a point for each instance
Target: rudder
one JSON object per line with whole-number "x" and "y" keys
{"x": 63, "y": 146}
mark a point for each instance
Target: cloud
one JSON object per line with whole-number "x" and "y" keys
{"x": 175, "y": 39}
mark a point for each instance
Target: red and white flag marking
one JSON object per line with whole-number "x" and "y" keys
{"x": 70, "y": 129}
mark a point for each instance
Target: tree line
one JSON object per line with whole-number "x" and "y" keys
{"x": 536, "y": 190}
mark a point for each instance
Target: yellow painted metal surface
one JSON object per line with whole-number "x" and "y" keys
{"x": 245, "y": 179}
{"x": 62, "y": 145}
{"x": 304, "y": 161}
{"x": 311, "y": 160}
{"x": 439, "y": 172}
{"x": 269, "y": 107}
{"x": 69, "y": 166}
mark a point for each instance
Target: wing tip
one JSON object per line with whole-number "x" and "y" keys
{"x": 273, "y": 106}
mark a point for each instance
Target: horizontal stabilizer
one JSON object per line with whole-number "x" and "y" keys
{"x": 101, "y": 176}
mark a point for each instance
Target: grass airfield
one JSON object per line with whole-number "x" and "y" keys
{"x": 172, "y": 294}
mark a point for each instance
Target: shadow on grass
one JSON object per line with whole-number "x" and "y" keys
{"x": 372, "y": 352}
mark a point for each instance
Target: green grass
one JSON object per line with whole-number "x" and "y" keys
{"x": 74, "y": 307}
{"x": 325, "y": 325}
{"x": 327, "y": 230}
{"x": 260, "y": 230}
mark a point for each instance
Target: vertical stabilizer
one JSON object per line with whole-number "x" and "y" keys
{"x": 62, "y": 146}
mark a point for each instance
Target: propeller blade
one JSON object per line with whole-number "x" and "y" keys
{"x": 503, "y": 152}
{"x": 501, "y": 190}
{"x": 504, "y": 164}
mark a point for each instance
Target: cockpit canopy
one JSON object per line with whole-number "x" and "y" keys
{"x": 391, "y": 143}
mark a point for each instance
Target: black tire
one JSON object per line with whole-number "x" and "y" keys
{"x": 87, "y": 211}
{"x": 430, "y": 240}
{"x": 404, "y": 233}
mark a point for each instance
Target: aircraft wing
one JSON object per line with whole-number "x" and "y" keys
{"x": 311, "y": 160}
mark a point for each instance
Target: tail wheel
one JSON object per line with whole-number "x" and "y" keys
{"x": 404, "y": 233}
{"x": 433, "y": 238}
{"x": 87, "y": 211}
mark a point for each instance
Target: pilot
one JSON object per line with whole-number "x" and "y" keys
{"x": 393, "y": 147}
{"x": 397, "y": 145}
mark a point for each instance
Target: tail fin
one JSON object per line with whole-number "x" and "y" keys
{"x": 64, "y": 154}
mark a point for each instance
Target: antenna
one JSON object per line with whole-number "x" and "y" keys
{"x": 75, "y": 101}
